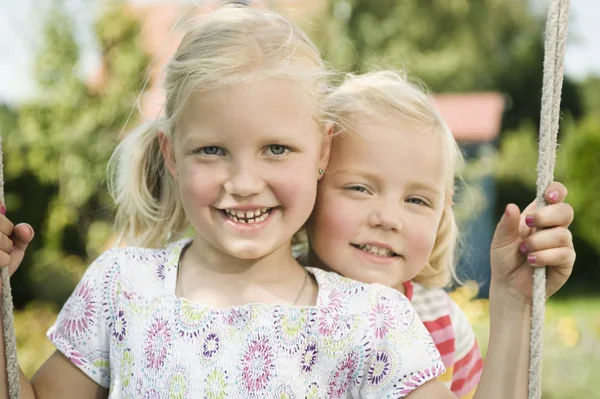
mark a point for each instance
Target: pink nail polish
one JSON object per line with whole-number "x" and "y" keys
{"x": 553, "y": 195}
{"x": 3, "y": 210}
{"x": 531, "y": 259}
{"x": 523, "y": 248}
{"x": 529, "y": 221}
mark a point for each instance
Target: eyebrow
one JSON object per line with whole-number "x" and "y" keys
{"x": 425, "y": 186}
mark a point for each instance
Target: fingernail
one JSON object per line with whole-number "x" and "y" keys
{"x": 529, "y": 221}
{"x": 3, "y": 209}
{"x": 531, "y": 259}
{"x": 553, "y": 195}
{"x": 523, "y": 248}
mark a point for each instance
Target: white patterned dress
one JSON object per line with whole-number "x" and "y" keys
{"x": 124, "y": 327}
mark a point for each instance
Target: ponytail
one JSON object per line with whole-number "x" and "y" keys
{"x": 149, "y": 210}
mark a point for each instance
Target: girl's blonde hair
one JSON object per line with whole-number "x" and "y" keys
{"x": 232, "y": 45}
{"x": 386, "y": 94}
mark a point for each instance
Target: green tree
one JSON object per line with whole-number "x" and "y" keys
{"x": 56, "y": 154}
{"x": 451, "y": 45}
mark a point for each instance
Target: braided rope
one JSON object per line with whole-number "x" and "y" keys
{"x": 554, "y": 54}
{"x": 8, "y": 328}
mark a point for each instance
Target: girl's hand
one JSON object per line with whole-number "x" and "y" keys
{"x": 518, "y": 246}
{"x": 13, "y": 241}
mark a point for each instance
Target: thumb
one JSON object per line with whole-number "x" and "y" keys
{"x": 507, "y": 230}
{"x": 22, "y": 235}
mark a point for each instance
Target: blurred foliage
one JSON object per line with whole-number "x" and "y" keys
{"x": 451, "y": 45}
{"x": 57, "y": 147}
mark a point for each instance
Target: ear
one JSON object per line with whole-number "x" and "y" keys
{"x": 166, "y": 148}
{"x": 326, "y": 150}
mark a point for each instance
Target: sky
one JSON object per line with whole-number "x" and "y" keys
{"x": 19, "y": 28}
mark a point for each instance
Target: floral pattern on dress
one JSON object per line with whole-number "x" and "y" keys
{"x": 125, "y": 328}
{"x": 81, "y": 311}
{"x": 157, "y": 344}
{"x": 258, "y": 364}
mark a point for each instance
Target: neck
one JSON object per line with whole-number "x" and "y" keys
{"x": 207, "y": 260}
{"x": 210, "y": 277}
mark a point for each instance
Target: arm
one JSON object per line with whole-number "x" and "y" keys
{"x": 57, "y": 378}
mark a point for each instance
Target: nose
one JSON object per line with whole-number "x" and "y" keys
{"x": 386, "y": 216}
{"x": 243, "y": 180}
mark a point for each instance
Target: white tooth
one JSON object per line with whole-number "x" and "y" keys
{"x": 251, "y": 220}
{"x": 382, "y": 251}
{"x": 236, "y": 219}
{"x": 242, "y": 221}
{"x": 249, "y": 214}
{"x": 263, "y": 210}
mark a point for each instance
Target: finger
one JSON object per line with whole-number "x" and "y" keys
{"x": 556, "y": 237}
{"x": 6, "y": 226}
{"x": 561, "y": 214}
{"x": 6, "y": 244}
{"x": 507, "y": 230}
{"x": 557, "y": 258}
{"x": 555, "y": 193}
{"x": 22, "y": 235}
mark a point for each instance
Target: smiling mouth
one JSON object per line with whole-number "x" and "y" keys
{"x": 377, "y": 251}
{"x": 248, "y": 216}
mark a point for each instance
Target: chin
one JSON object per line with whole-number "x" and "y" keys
{"x": 248, "y": 252}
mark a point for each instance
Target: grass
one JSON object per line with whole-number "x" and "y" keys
{"x": 571, "y": 341}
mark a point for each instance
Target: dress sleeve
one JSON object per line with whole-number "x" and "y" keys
{"x": 81, "y": 331}
{"x": 469, "y": 364}
{"x": 403, "y": 355}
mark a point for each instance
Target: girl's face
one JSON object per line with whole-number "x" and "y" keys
{"x": 246, "y": 159}
{"x": 380, "y": 203}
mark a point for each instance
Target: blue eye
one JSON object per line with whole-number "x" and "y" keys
{"x": 210, "y": 150}
{"x": 277, "y": 149}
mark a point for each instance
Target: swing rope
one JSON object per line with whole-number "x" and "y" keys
{"x": 8, "y": 328}
{"x": 554, "y": 54}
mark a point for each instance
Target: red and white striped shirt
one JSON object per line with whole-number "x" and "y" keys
{"x": 453, "y": 336}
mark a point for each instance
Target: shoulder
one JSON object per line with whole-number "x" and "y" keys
{"x": 432, "y": 303}
{"x": 354, "y": 296}
{"x": 138, "y": 268}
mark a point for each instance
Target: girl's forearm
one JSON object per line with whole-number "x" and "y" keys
{"x": 505, "y": 374}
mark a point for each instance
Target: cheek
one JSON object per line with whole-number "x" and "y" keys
{"x": 294, "y": 184}
{"x": 198, "y": 185}
{"x": 335, "y": 220}
{"x": 423, "y": 234}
